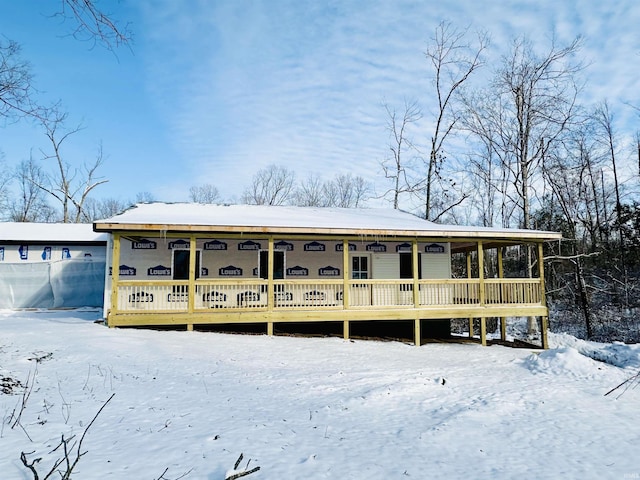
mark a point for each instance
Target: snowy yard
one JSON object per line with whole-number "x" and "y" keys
{"x": 186, "y": 405}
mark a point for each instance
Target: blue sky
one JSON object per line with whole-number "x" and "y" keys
{"x": 214, "y": 90}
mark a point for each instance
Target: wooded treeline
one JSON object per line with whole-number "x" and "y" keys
{"x": 501, "y": 142}
{"x": 523, "y": 149}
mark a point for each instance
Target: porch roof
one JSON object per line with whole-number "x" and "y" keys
{"x": 209, "y": 218}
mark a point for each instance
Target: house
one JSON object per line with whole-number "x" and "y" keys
{"x": 49, "y": 265}
{"x": 193, "y": 264}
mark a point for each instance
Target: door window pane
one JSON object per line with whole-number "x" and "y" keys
{"x": 278, "y": 264}
{"x": 181, "y": 264}
{"x": 360, "y": 267}
{"x": 406, "y": 265}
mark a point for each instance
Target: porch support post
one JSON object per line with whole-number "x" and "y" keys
{"x": 416, "y": 278}
{"x": 192, "y": 275}
{"x": 115, "y": 275}
{"x": 503, "y": 320}
{"x": 544, "y": 327}
{"x": 468, "y": 256}
{"x": 416, "y": 290}
{"x": 483, "y": 321}
{"x": 191, "y": 289}
{"x": 543, "y": 300}
{"x": 481, "y": 272}
{"x": 270, "y": 289}
{"x": 346, "y": 274}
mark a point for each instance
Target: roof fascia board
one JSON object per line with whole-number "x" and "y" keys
{"x": 449, "y": 235}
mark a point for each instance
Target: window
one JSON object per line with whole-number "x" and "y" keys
{"x": 406, "y": 265}
{"x": 360, "y": 266}
{"x": 180, "y": 269}
{"x": 406, "y": 269}
{"x": 278, "y": 264}
{"x": 181, "y": 259}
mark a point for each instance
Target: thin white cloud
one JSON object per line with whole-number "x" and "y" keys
{"x": 245, "y": 84}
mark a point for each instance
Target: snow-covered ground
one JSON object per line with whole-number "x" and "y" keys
{"x": 187, "y": 404}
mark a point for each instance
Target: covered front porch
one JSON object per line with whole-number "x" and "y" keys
{"x": 272, "y": 294}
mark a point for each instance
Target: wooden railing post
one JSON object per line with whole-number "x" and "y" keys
{"x": 115, "y": 274}
{"x": 416, "y": 278}
{"x": 543, "y": 299}
{"x": 482, "y": 299}
{"x": 191, "y": 289}
{"x": 503, "y": 320}
{"x": 346, "y": 274}
{"x": 270, "y": 288}
{"x": 468, "y": 257}
{"x": 481, "y": 293}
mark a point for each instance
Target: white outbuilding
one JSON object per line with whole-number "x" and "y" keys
{"x": 51, "y": 265}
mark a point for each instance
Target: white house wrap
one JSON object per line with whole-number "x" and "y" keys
{"x": 47, "y": 265}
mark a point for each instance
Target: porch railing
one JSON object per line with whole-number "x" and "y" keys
{"x": 173, "y": 296}
{"x": 513, "y": 291}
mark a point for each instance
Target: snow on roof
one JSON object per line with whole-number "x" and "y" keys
{"x": 289, "y": 218}
{"x": 49, "y": 232}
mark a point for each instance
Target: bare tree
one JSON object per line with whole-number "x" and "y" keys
{"x": 94, "y": 209}
{"x": 16, "y": 80}
{"x": 344, "y": 190}
{"x": 637, "y": 138}
{"x": 93, "y": 24}
{"x": 16, "y": 89}
{"x": 310, "y": 192}
{"x": 5, "y": 181}
{"x": 607, "y": 136}
{"x": 529, "y": 105}
{"x": 539, "y": 94}
{"x": 453, "y": 61}
{"x": 400, "y": 143}
{"x": 604, "y": 119}
{"x": 144, "y": 197}
{"x": 348, "y": 191}
{"x": 485, "y": 178}
{"x": 69, "y": 185}
{"x": 566, "y": 170}
{"x": 273, "y": 185}
{"x": 482, "y": 119}
{"x": 29, "y": 204}
{"x": 206, "y": 193}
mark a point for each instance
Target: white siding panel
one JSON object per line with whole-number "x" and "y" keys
{"x": 385, "y": 266}
{"x": 437, "y": 265}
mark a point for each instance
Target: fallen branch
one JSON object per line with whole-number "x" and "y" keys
{"x": 67, "y": 453}
{"x": 41, "y": 357}
{"x": 26, "y": 393}
{"x": 242, "y": 473}
{"x": 630, "y": 379}
{"x": 162, "y": 477}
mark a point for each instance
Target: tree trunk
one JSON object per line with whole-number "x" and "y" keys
{"x": 583, "y": 296}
